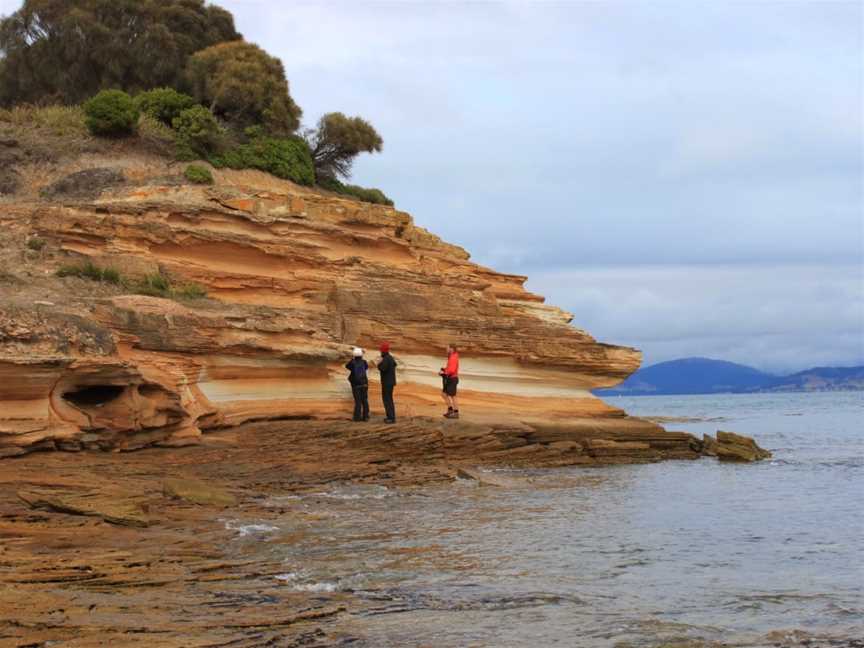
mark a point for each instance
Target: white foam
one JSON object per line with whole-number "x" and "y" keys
{"x": 315, "y": 587}
{"x": 290, "y": 578}
{"x": 249, "y": 529}
{"x": 378, "y": 492}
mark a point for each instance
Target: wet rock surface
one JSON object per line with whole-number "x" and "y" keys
{"x": 129, "y": 549}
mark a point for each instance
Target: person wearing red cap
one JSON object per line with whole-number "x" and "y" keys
{"x": 387, "y": 368}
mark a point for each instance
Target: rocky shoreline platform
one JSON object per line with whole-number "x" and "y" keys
{"x": 110, "y": 548}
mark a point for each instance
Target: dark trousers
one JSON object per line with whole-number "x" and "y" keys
{"x": 361, "y": 402}
{"x": 387, "y": 397}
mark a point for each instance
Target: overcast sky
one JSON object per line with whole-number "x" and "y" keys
{"x": 685, "y": 177}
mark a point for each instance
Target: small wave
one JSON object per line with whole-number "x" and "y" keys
{"x": 291, "y": 580}
{"x": 244, "y": 530}
{"x": 378, "y": 492}
{"x": 400, "y": 601}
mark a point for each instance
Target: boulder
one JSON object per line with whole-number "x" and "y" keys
{"x": 729, "y": 446}
{"x": 86, "y": 184}
{"x": 490, "y": 479}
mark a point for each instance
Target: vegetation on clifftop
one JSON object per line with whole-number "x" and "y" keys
{"x": 176, "y": 74}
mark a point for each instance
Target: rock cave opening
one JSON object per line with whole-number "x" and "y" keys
{"x": 93, "y": 395}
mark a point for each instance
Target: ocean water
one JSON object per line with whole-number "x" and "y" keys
{"x": 673, "y": 553}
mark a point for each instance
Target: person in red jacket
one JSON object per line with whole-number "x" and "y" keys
{"x": 450, "y": 378}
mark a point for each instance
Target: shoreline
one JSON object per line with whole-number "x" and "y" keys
{"x": 99, "y": 548}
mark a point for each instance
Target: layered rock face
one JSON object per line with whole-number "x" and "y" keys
{"x": 294, "y": 279}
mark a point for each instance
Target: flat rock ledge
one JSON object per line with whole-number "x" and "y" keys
{"x": 133, "y": 549}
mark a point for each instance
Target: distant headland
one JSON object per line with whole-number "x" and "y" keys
{"x": 708, "y": 376}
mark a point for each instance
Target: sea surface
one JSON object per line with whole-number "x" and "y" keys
{"x": 673, "y": 553}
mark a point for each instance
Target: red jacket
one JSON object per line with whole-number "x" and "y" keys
{"x": 452, "y": 369}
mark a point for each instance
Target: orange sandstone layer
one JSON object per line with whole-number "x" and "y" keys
{"x": 294, "y": 280}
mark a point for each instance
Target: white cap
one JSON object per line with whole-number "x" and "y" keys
{"x": 358, "y": 352}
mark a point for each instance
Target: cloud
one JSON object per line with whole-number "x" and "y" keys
{"x": 542, "y": 135}
{"x": 723, "y": 140}
{"x": 777, "y": 318}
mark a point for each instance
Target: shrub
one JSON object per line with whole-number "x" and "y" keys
{"x": 111, "y": 113}
{"x": 198, "y": 131}
{"x": 338, "y": 140}
{"x": 156, "y": 136}
{"x": 158, "y": 285}
{"x": 370, "y": 195}
{"x": 163, "y": 104}
{"x": 285, "y": 158}
{"x": 36, "y": 244}
{"x": 245, "y": 86}
{"x": 190, "y": 291}
{"x": 197, "y": 174}
{"x": 154, "y": 285}
{"x": 90, "y": 271}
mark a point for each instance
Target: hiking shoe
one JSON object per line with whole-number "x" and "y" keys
{"x": 389, "y": 420}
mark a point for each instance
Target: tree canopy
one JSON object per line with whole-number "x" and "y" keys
{"x": 67, "y": 50}
{"x": 245, "y": 86}
{"x": 339, "y": 139}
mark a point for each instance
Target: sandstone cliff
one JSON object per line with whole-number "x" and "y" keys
{"x": 294, "y": 278}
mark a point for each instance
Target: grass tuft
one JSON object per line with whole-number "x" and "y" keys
{"x": 90, "y": 271}
{"x": 152, "y": 285}
{"x": 63, "y": 121}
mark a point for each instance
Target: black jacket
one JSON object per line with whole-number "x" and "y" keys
{"x": 350, "y": 367}
{"x": 387, "y": 367}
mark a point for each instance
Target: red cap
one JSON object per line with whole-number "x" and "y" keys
{"x": 385, "y": 347}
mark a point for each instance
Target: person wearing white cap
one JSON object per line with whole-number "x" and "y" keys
{"x": 357, "y": 368}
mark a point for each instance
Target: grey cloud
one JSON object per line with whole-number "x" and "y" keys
{"x": 725, "y": 139}
{"x": 779, "y": 318}
{"x": 545, "y": 135}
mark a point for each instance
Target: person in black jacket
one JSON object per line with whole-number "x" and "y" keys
{"x": 357, "y": 368}
{"x": 387, "y": 367}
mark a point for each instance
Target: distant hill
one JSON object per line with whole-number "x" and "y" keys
{"x": 707, "y": 376}
{"x": 821, "y": 379}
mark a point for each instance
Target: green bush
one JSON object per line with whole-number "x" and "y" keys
{"x": 111, "y": 113}
{"x": 285, "y": 158}
{"x": 198, "y": 131}
{"x": 156, "y": 136}
{"x": 158, "y": 285}
{"x": 90, "y": 271}
{"x": 370, "y": 195}
{"x": 163, "y": 104}
{"x": 190, "y": 291}
{"x": 36, "y": 244}
{"x": 244, "y": 86}
{"x": 197, "y": 174}
{"x": 154, "y": 285}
